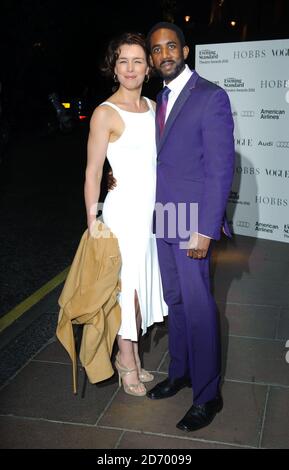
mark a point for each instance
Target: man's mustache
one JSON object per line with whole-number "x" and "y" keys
{"x": 167, "y": 62}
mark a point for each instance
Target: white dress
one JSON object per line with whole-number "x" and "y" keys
{"x": 128, "y": 212}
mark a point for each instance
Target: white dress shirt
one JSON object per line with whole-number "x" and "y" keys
{"x": 176, "y": 86}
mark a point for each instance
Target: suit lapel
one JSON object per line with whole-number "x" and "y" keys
{"x": 182, "y": 98}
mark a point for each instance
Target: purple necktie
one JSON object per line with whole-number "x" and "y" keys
{"x": 162, "y": 102}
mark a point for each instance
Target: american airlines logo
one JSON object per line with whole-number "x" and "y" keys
{"x": 247, "y": 113}
{"x": 284, "y": 144}
{"x": 272, "y": 113}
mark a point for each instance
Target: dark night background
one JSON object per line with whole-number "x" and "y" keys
{"x": 58, "y": 45}
{"x": 49, "y": 45}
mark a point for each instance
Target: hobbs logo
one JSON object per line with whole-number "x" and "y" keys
{"x": 271, "y": 201}
{"x": 253, "y": 54}
{"x": 274, "y": 83}
{"x": 280, "y": 52}
{"x": 247, "y": 170}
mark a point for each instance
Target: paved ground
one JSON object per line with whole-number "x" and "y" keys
{"x": 39, "y": 410}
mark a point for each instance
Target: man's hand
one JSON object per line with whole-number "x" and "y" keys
{"x": 198, "y": 246}
{"x": 111, "y": 181}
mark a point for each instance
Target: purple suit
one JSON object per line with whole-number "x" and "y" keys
{"x": 195, "y": 164}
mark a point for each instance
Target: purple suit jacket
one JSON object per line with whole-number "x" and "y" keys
{"x": 195, "y": 162}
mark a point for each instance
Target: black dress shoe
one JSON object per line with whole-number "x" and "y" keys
{"x": 168, "y": 388}
{"x": 200, "y": 416}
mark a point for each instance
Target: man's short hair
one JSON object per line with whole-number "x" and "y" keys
{"x": 166, "y": 25}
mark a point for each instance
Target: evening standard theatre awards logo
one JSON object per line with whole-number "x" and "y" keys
{"x": 232, "y": 84}
{"x": 209, "y": 56}
{"x": 272, "y": 113}
{"x": 269, "y": 228}
{"x": 234, "y": 198}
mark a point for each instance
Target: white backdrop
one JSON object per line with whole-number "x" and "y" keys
{"x": 256, "y": 77}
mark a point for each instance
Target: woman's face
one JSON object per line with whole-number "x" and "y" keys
{"x": 131, "y": 66}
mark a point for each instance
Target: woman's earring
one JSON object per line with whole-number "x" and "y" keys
{"x": 146, "y": 79}
{"x": 115, "y": 79}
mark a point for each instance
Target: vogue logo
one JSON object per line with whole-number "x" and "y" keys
{"x": 251, "y": 54}
{"x": 275, "y": 172}
{"x": 284, "y": 144}
{"x": 280, "y": 52}
{"x": 247, "y": 113}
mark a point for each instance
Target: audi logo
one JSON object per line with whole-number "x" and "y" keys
{"x": 247, "y": 113}
{"x": 282, "y": 144}
{"x": 243, "y": 224}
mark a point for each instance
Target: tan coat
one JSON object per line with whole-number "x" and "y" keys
{"x": 89, "y": 297}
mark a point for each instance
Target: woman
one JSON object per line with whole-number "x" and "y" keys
{"x": 123, "y": 128}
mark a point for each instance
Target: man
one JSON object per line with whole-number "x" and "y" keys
{"x": 195, "y": 147}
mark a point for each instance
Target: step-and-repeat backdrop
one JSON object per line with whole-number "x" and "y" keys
{"x": 256, "y": 78}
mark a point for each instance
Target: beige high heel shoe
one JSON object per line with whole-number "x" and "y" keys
{"x": 144, "y": 375}
{"x": 130, "y": 389}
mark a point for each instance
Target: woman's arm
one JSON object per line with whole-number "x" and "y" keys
{"x": 96, "y": 152}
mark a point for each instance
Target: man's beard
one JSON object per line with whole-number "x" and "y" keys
{"x": 174, "y": 73}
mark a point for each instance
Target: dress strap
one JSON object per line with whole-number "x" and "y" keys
{"x": 149, "y": 103}
{"x": 108, "y": 103}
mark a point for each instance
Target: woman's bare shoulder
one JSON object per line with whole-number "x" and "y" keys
{"x": 101, "y": 115}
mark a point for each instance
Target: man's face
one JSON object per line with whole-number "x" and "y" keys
{"x": 167, "y": 55}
